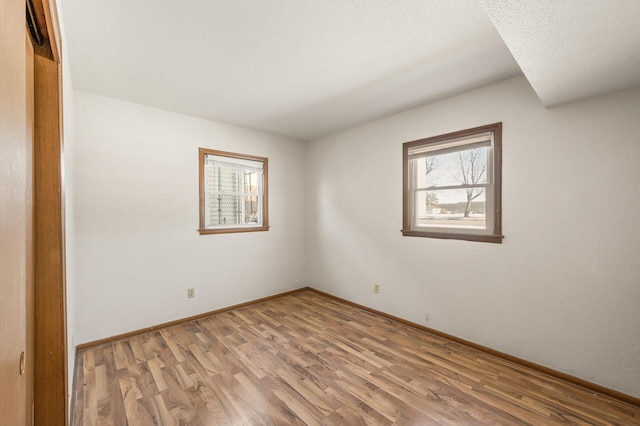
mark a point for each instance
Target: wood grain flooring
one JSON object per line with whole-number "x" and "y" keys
{"x": 308, "y": 359}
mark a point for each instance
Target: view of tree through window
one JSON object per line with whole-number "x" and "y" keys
{"x": 452, "y": 185}
{"x": 456, "y": 194}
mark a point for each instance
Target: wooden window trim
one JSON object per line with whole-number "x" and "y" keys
{"x": 496, "y": 236}
{"x": 265, "y": 192}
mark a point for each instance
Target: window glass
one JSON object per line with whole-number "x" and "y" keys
{"x": 233, "y": 196}
{"x": 452, "y": 185}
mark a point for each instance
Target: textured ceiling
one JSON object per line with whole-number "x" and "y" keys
{"x": 309, "y": 68}
{"x": 572, "y": 49}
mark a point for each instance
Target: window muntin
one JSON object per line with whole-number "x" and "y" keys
{"x": 233, "y": 192}
{"x": 452, "y": 185}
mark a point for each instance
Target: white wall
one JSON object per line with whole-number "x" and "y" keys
{"x": 563, "y": 290}
{"x": 137, "y": 248}
{"x": 68, "y": 169}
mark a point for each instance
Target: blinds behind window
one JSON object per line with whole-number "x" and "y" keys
{"x": 461, "y": 144}
{"x": 238, "y": 163}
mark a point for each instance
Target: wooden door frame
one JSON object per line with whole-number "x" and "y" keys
{"x": 49, "y": 293}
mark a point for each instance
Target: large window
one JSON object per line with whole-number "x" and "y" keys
{"x": 452, "y": 185}
{"x": 233, "y": 192}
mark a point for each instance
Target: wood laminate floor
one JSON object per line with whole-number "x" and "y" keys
{"x": 308, "y": 359}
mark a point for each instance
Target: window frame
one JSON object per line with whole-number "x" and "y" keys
{"x": 264, "y": 208}
{"x": 493, "y": 210}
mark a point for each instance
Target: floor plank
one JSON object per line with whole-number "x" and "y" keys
{"x": 308, "y": 359}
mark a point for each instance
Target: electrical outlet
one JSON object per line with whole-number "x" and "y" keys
{"x": 427, "y": 317}
{"x": 376, "y": 288}
{"x": 191, "y": 293}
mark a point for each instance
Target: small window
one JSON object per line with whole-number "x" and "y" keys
{"x": 452, "y": 185}
{"x": 233, "y": 192}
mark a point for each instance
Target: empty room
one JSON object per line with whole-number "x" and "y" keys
{"x": 316, "y": 212}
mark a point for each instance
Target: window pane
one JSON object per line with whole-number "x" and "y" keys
{"x": 233, "y": 192}
{"x": 250, "y": 182}
{"x": 225, "y": 210}
{"x": 454, "y": 168}
{"x": 251, "y": 209}
{"x": 226, "y": 179}
{"x": 451, "y": 208}
{"x": 228, "y": 210}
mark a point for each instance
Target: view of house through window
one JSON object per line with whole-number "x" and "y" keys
{"x": 233, "y": 192}
{"x": 452, "y": 185}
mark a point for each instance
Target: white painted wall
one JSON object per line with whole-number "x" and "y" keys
{"x": 68, "y": 169}
{"x": 563, "y": 290}
{"x": 137, "y": 248}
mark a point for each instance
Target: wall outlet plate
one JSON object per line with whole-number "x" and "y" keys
{"x": 191, "y": 293}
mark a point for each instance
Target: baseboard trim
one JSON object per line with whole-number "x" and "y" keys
{"x": 592, "y": 387}
{"x": 108, "y": 340}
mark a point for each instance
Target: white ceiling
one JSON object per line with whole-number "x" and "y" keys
{"x": 309, "y": 68}
{"x": 572, "y": 49}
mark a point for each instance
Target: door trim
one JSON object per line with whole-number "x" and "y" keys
{"x": 49, "y": 293}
